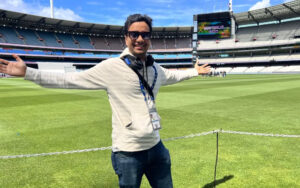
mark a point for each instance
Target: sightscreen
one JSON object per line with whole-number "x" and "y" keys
{"x": 214, "y": 26}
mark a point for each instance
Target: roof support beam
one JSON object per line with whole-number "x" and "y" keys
{"x": 271, "y": 13}
{"x": 3, "y": 14}
{"x": 20, "y": 17}
{"x": 42, "y": 20}
{"x": 106, "y": 30}
{"x": 58, "y": 23}
{"x": 76, "y": 25}
{"x": 251, "y": 16}
{"x": 90, "y": 28}
{"x": 291, "y": 9}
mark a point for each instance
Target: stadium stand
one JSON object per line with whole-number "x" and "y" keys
{"x": 287, "y": 30}
{"x": 49, "y": 39}
{"x": 30, "y": 37}
{"x": 84, "y": 41}
{"x": 266, "y": 41}
{"x": 67, "y": 41}
{"x": 10, "y": 36}
{"x": 265, "y": 38}
{"x": 170, "y": 43}
{"x": 158, "y": 43}
{"x": 266, "y": 32}
{"x": 100, "y": 43}
{"x": 115, "y": 43}
{"x": 246, "y": 34}
{"x": 183, "y": 42}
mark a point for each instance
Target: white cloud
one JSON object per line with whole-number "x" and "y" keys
{"x": 261, "y": 4}
{"x": 13, "y": 5}
{"x": 21, "y": 6}
{"x": 241, "y": 6}
{"x": 285, "y": 1}
{"x": 60, "y": 13}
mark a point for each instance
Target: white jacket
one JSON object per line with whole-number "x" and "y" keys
{"x": 132, "y": 129}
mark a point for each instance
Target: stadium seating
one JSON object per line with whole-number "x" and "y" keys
{"x": 158, "y": 43}
{"x": 67, "y": 40}
{"x": 246, "y": 34}
{"x": 223, "y": 69}
{"x": 100, "y": 43}
{"x": 254, "y": 70}
{"x": 266, "y": 43}
{"x": 238, "y": 70}
{"x": 278, "y": 31}
{"x": 266, "y": 32}
{"x": 84, "y": 41}
{"x": 49, "y": 39}
{"x": 30, "y": 37}
{"x": 170, "y": 43}
{"x": 115, "y": 43}
{"x": 183, "y": 42}
{"x": 271, "y": 69}
{"x": 287, "y": 30}
{"x": 10, "y": 35}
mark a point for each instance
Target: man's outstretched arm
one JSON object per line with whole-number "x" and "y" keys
{"x": 172, "y": 77}
{"x": 92, "y": 78}
{"x": 17, "y": 68}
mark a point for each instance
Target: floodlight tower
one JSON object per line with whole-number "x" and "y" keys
{"x": 232, "y": 19}
{"x": 230, "y": 5}
{"x": 51, "y": 9}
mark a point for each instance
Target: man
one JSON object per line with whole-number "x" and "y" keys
{"x": 136, "y": 145}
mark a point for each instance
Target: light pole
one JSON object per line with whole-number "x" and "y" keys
{"x": 51, "y": 9}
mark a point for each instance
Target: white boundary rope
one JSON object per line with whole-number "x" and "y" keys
{"x": 260, "y": 134}
{"x": 167, "y": 139}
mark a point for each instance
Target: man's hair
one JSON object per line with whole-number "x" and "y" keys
{"x": 137, "y": 18}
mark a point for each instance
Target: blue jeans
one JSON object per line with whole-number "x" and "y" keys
{"x": 155, "y": 163}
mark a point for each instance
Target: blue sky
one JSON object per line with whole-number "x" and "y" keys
{"x": 114, "y": 12}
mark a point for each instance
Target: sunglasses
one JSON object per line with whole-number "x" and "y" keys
{"x": 135, "y": 35}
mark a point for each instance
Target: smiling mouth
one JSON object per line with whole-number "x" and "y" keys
{"x": 139, "y": 46}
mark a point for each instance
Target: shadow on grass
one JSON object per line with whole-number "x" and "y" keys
{"x": 223, "y": 180}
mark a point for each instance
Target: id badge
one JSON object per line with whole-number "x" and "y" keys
{"x": 155, "y": 120}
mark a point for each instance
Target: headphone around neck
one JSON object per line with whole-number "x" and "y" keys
{"x": 136, "y": 63}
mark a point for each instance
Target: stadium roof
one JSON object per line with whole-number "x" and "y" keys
{"x": 10, "y": 18}
{"x": 274, "y": 13}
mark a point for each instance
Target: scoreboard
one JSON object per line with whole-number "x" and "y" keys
{"x": 214, "y": 30}
{"x": 213, "y": 25}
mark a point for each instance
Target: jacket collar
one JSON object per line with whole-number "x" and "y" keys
{"x": 125, "y": 53}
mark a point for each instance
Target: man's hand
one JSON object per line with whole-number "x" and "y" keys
{"x": 13, "y": 68}
{"x": 203, "y": 69}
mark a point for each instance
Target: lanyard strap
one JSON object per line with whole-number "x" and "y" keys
{"x": 143, "y": 83}
{"x": 152, "y": 86}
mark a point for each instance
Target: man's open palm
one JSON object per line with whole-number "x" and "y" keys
{"x": 203, "y": 69}
{"x": 13, "y": 68}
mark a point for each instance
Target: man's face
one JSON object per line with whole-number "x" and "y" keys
{"x": 135, "y": 42}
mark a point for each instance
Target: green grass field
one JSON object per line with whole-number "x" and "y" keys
{"x": 39, "y": 120}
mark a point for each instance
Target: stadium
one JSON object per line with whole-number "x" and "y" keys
{"x": 61, "y": 138}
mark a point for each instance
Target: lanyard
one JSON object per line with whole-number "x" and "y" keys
{"x": 152, "y": 86}
{"x": 143, "y": 83}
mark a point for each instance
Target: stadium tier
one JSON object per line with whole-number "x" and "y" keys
{"x": 259, "y": 39}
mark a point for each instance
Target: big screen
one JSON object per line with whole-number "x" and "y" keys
{"x": 214, "y": 25}
{"x": 216, "y": 29}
